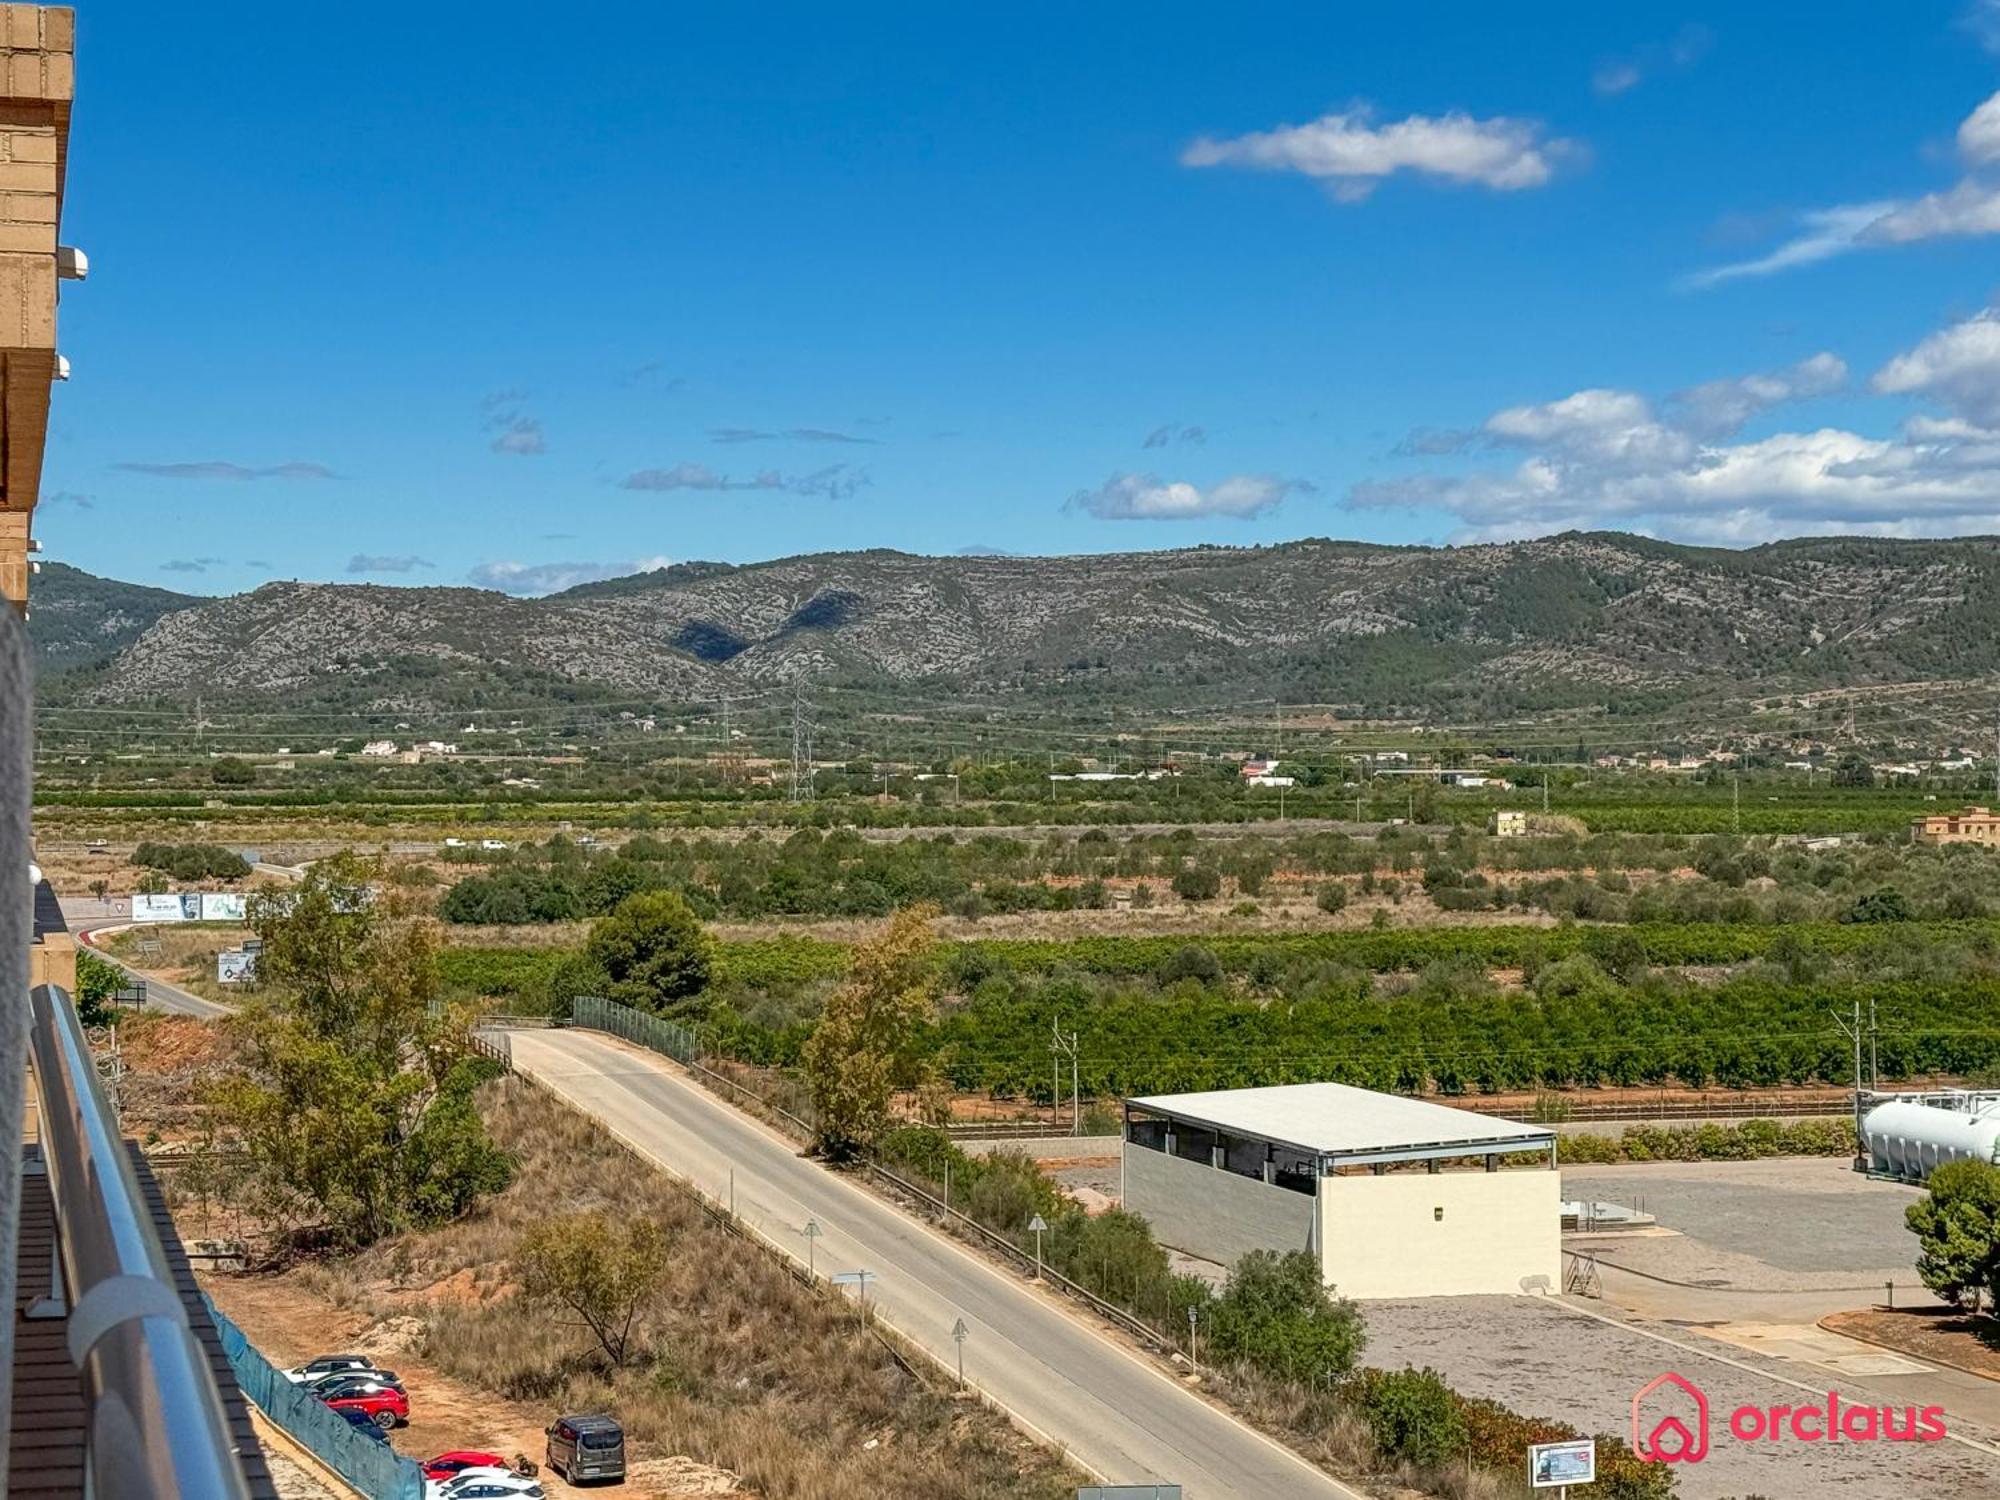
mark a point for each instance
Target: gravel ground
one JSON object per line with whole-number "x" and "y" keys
{"x": 1794, "y": 1223}
{"x": 1547, "y": 1359}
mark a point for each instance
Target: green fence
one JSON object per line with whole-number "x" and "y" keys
{"x": 371, "y": 1467}
{"x": 665, "y": 1037}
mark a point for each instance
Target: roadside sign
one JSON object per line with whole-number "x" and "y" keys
{"x": 1551, "y": 1465}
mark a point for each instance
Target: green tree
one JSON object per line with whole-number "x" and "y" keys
{"x": 866, "y": 1036}
{"x": 1331, "y": 896}
{"x": 353, "y": 1099}
{"x": 1197, "y": 883}
{"x": 1852, "y": 770}
{"x": 1277, "y": 1314}
{"x": 654, "y": 953}
{"x": 229, "y": 770}
{"x": 1884, "y": 905}
{"x": 605, "y": 1272}
{"x": 1957, "y": 1224}
{"x": 97, "y": 980}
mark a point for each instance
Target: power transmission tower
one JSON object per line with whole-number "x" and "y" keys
{"x": 801, "y": 755}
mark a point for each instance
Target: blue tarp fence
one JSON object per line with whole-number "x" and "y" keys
{"x": 371, "y": 1467}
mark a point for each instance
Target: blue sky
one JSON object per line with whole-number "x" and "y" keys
{"x": 524, "y": 294}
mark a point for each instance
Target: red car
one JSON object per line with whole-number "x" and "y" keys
{"x": 382, "y": 1402}
{"x": 445, "y": 1465}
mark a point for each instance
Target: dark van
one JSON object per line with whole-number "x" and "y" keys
{"x": 587, "y": 1447}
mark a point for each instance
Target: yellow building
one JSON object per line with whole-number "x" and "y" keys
{"x": 1972, "y": 825}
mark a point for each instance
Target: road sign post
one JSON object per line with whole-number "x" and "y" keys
{"x": 958, "y": 1333}
{"x": 1039, "y": 1225}
{"x": 812, "y": 1232}
{"x": 859, "y": 1281}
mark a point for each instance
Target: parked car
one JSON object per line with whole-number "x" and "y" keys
{"x": 588, "y": 1446}
{"x": 331, "y": 1364}
{"x": 490, "y": 1484}
{"x": 493, "y": 844}
{"x": 454, "y": 843}
{"x": 386, "y": 1404}
{"x": 449, "y": 1465}
{"x": 364, "y": 1424}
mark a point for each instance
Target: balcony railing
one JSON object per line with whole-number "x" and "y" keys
{"x": 157, "y": 1428}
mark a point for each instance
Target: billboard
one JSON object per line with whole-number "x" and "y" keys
{"x": 234, "y": 966}
{"x": 221, "y": 906}
{"x": 1552, "y": 1464}
{"x": 167, "y": 908}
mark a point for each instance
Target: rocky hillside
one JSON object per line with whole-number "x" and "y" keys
{"x": 1571, "y": 619}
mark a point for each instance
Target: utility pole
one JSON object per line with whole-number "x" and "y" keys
{"x": 1874, "y": 1042}
{"x": 1854, "y": 1034}
{"x": 1061, "y": 1046}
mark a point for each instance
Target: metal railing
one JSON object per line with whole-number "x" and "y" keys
{"x": 157, "y": 1428}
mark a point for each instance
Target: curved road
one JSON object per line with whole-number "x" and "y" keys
{"x": 82, "y": 914}
{"x": 1115, "y": 1412}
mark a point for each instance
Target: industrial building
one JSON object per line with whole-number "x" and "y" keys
{"x": 1396, "y": 1197}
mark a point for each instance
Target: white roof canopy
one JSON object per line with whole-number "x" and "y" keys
{"x": 1336, "y": 1120}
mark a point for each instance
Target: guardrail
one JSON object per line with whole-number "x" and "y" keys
{"x": 157, "y": 1428}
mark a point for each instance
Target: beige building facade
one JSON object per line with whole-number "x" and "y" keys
{"x": 1395, "y": 1197}
{"x": 37, "y": 84}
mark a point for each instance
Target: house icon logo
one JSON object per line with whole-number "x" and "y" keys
{"x": 1673, "y": 1431}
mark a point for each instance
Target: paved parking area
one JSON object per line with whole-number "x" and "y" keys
{"x": 1546, "y": 1358}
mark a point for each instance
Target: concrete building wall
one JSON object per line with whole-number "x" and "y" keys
{"x": 1412, "y": 1234}
{"x": 1213, "y": 1213}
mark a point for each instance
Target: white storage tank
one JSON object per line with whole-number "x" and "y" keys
{"x": 1906, "y": 1140}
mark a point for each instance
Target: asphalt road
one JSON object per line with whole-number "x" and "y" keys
{"x": 82, "y": 916}
{"x": 1116, "y": 1413}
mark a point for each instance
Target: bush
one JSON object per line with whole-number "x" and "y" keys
{"x": 1276, "y": 1315}
{"x": 654, "y": 952}
{"x": 1331, "y": 896}
{"x": 1197, "y": 883}
{"x": 1191, "y": 961}
{"x": 192, "y": 861}
{"x": 1412, "y": 1415}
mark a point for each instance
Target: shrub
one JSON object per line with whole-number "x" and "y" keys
{"x": 1276, "y": 1315}
{"x": 655, "y": 953}
{"x": 1197, "y": 883}
{"x": 1331, "y": 896}
{"x": 1412, "y": 1414}
{"x": 1191, "y": 961}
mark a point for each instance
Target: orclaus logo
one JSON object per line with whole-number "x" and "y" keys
{"x": 1670, "y": 1422}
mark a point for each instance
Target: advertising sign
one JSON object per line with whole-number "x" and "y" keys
{"x": 164, "y": 908}
{"x": 221, "y": 906}
{"x": 1553, "y": 1464}
{"x": 234, "y": 966}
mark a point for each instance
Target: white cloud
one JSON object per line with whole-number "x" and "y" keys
{"x": 1979, "y": 134}
{"x": 1717, "y": 408}
{"x": 1143, "y": 497}
{"x": 553, "y": 577}
{"x": 1958, "y": 367}
{"x": 1970, "y": 206}
{"x": 1619, "y": 75}
{"x": 835, "y": 482}
{"x": 1823, "y": 234}
{"x": 1350, "y": 154}
{"x": 521, "y": 437}
{"x": 1605, "y": 458}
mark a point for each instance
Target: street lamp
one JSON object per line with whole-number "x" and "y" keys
{"x": 1038, "y": 1225}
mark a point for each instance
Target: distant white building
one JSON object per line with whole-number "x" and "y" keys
{"x": 437, "y": 747}
{"x": 1509, "y": 823}
{"x": 382, "y": 749}
{"x": 1270, "y": 781}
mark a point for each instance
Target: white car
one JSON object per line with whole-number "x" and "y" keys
{"x": 330, "y": 1364}
{"x": 485, "y": 1484}
{"x": 493, "y": 843}
{"x": 454, "y": 843}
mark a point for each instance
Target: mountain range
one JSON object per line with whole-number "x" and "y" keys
{"x": 1577, "y": 619}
